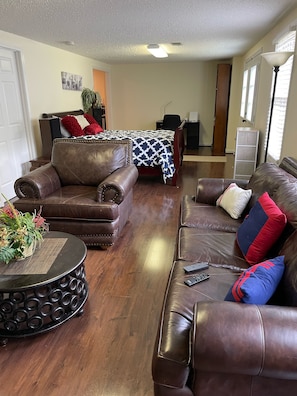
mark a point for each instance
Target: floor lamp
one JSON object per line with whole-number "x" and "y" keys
{"x": 274, "y": 59}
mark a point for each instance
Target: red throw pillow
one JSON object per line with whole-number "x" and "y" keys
{"x": 260, "y": 229}
{"x": 92, "y": 129}
{"x": 90, "y": 119}
{"x": 71, "y": 124}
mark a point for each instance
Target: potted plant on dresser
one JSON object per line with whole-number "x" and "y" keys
{"x": 90, "y": 99}
{"x": 92, "y": 104}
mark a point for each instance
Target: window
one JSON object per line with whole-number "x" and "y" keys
{"x": 249, "y": 88}
{"x": 244, "y": 91}
{"x": 285, "y": 43}
{"x": 251, "y": 93}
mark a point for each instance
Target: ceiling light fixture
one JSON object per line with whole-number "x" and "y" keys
{"x": 68, "y": 42}
{"x": 157, "y": 51}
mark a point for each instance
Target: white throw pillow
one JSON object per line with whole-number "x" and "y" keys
{"x": 234, "y": 200}
{"x": 83, "y": 122}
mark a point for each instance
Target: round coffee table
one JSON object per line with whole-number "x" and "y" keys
{"x": 50, "y": 288}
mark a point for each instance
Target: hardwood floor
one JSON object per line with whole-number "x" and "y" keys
{"x": 107, "y": 351}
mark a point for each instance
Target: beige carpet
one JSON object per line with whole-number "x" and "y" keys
{"x": 204, "y": 158}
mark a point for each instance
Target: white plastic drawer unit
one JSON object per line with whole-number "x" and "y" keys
{"x": 246, "y": 152}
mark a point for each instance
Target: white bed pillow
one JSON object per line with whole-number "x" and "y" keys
{"x": 63, "y": 130}
{"x": 234, "y": 200}
{"x": 83, "y": 122}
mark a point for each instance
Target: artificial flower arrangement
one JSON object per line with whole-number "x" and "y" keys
{"x": 18, "y": 231}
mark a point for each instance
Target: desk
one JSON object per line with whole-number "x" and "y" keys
{"x": 192, "y": 133}
{"x": 38, "y": 299}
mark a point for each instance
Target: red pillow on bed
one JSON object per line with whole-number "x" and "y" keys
{"x": 90, "y": 119}
{"x": 93, "y": 129}
{"x": 72, "y": 126}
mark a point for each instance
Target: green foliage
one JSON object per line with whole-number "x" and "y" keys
{"x": 90, "y": 99}
{"x": 18, "y": 230}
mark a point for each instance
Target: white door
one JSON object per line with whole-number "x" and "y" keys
{"x": 14, "y": 151}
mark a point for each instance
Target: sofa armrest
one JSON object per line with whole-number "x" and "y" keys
{"x": 245, "y": 339}
{"x": 117, "y": 185}
{"x": 209, "y": 189}
{"x": 38, "y": 184}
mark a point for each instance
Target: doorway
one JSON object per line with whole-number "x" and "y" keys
{"x": 99, "y": 82}
{"x": 221, "y": 109}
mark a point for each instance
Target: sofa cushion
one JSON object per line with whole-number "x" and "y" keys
{"x": 267, "y": 178}
{"x": 201, "y": 215}
{"x": 172, "y": 352}
{"x": 234, "y": 200}
{"x": 288, "y": 287}
{"x": 73, "y": 203}
{"x": 216, "y": 247}
{"x": 260, "y": 229}
{"x": 257, "y": 284}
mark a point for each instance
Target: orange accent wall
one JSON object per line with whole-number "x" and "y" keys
{"x": 100, "y": 84}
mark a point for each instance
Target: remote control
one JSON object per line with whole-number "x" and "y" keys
{"x": 196, "y": 267}
{"x": 196, "y": 279}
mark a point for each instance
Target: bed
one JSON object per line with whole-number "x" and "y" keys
{"x": 155, "y": 152}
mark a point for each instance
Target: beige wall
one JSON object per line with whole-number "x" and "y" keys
{"x": 140, "y": 92}
{"x": 42, "y": 67}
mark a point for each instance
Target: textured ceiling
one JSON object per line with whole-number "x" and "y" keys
{"x": 117, "y": 31}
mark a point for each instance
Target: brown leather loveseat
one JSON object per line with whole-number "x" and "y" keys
{"x": 86, "y": 189}
{"x": 206, "y": 346}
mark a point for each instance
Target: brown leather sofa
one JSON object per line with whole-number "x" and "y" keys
{"x": 86, "y": 190}
{"x": 206, "y": 346}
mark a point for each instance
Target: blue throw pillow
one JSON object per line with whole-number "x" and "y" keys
{"x": 257, "y": 284}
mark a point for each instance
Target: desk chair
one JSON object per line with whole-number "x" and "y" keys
{"x": 171, "y": 121}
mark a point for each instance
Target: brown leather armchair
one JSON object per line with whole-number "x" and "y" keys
{"x": 86, "y": 189}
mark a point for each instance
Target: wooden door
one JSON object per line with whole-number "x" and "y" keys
{"x": 221, "y": 109}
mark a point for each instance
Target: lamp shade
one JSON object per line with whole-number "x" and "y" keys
{"x": 277, "y": 58}
{"x": 157, "y": 51}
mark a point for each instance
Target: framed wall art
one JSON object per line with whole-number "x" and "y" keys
{"x": 71, "y": 81}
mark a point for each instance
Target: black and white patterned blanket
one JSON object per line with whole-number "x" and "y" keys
{"x": 150, "y": 148}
